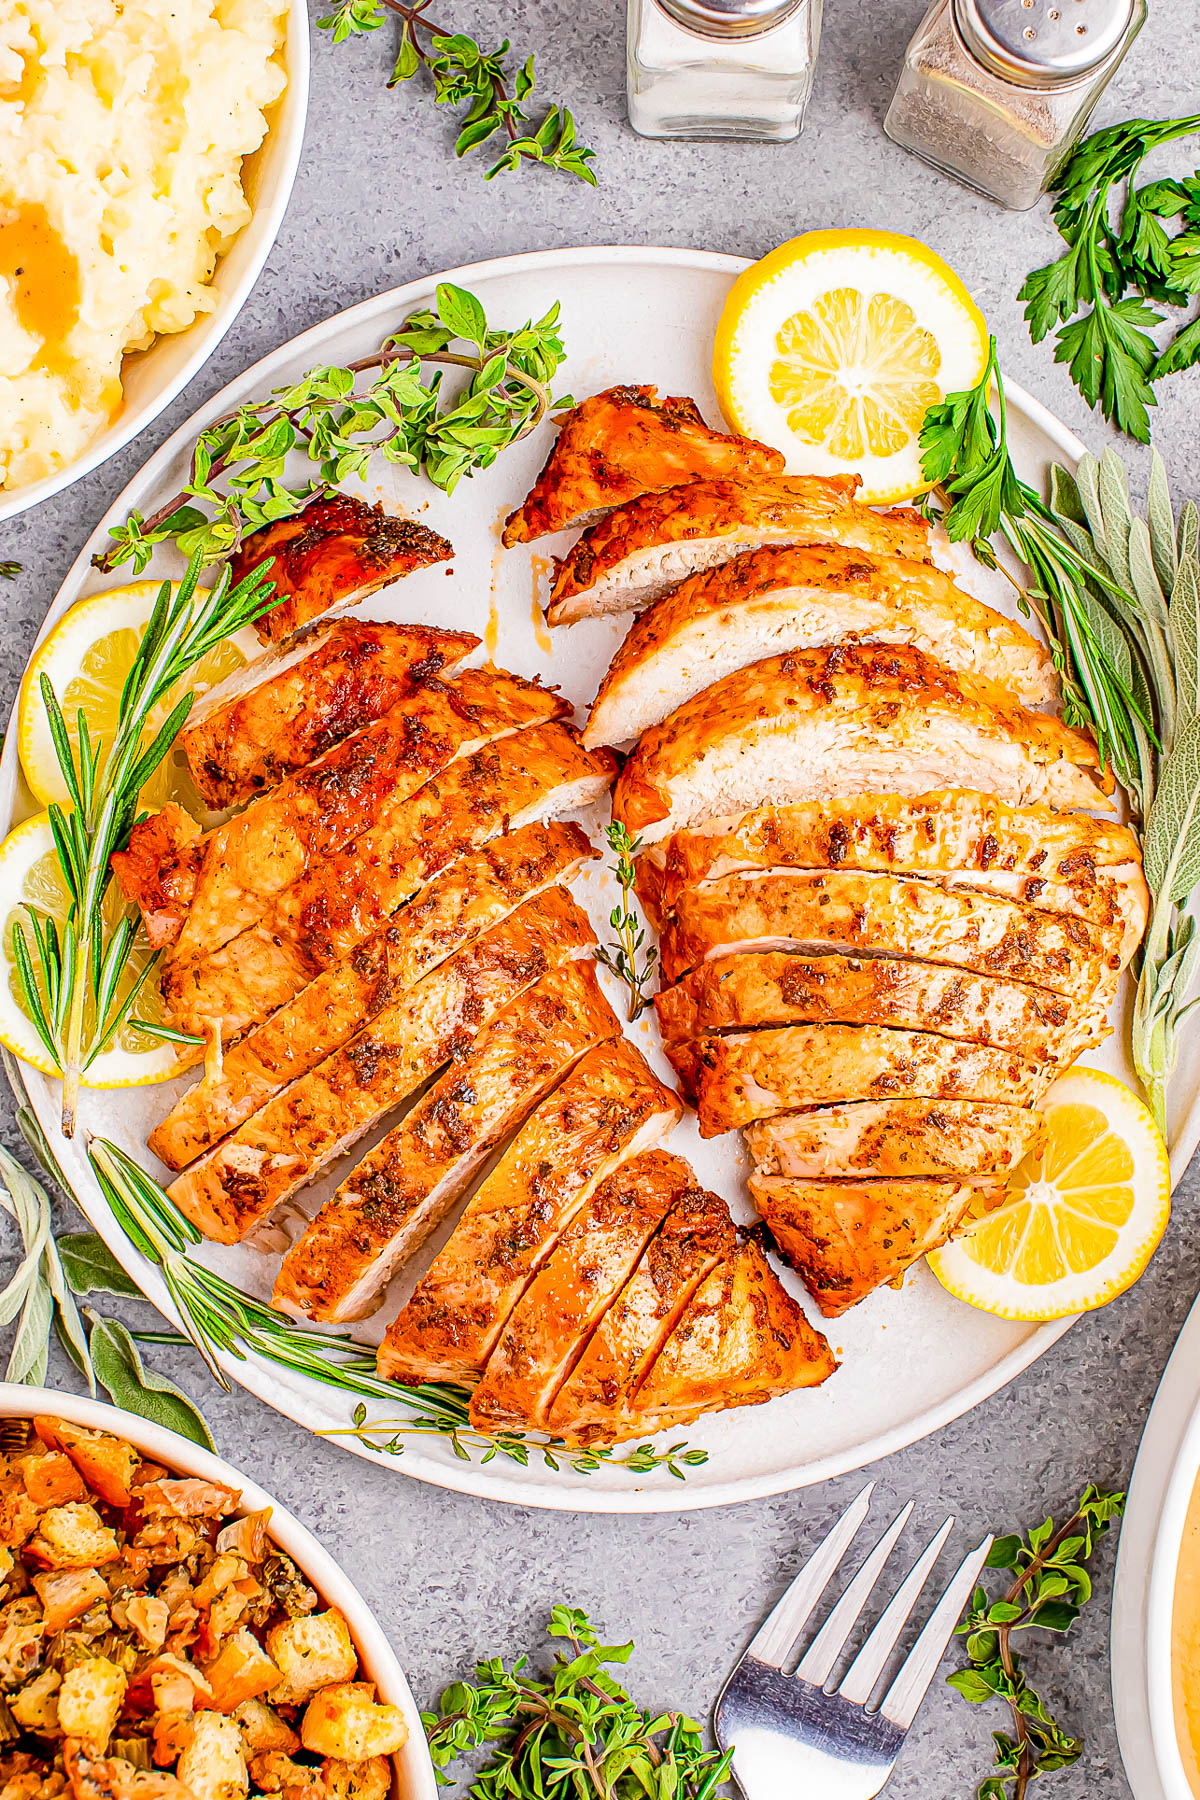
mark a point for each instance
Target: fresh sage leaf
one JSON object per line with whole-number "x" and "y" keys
{"x": 90, "y": 1266}
{"x": 37, "y": 1296}
{"x": 1171, "y": 850}
{"x": 131, "y": 1385}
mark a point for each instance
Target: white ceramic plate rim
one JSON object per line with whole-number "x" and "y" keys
{"x": 260, "y": 1378}
{"x": 181, "y": 1456}
{"x": 261, "y": 230}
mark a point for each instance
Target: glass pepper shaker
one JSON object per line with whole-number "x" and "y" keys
{"x": 721, "y": 68}
{"x": 998, "y": 92}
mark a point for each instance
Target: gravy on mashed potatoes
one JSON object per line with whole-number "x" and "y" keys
{"x": 123, "y": 124}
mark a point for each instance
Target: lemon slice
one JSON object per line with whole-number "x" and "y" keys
{"x": 832, "y": 347}
{"x": 1084, "y": 1212}
{"x": 30, "y": 876}
{"x": 87, "y": 657}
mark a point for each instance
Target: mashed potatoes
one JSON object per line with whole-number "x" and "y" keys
{"x": 123, "y": 124}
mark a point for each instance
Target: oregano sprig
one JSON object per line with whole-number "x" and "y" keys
{"x": 1049, "y": 1587}
{"x": 625, "y": 956}
{"x": 464, "y": 75}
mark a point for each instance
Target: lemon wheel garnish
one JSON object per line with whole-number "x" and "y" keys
{"x": 87, "y": 658}
{"x": 832, "y": 347}
{"x": 1084, "y": 1212}
{"x": 30, "y": 876}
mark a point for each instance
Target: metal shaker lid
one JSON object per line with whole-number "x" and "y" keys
{"x": 1037, "y": 43}
{"x": 730, "y": 18}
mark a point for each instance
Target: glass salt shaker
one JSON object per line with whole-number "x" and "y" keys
{"x": 721, "y": 68}
{"x": 998, "y": 92}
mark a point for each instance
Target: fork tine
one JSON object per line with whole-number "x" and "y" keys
{"x": 868, "y": 1665}
{"x": 826, "y": 1647}
{"x": 781, "y": 1627}
{"x": 920, "y": 1665}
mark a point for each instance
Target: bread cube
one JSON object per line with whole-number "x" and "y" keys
{"x": 312, "y": 1651}
{"x": 106, "y": 1463}
{"x": 263, "y": 1729}
{"x": 90, "y": 1700}
{"x": 242, "y": 1670}
{"x": 346, "y": 1722}
{"x": 73, "y": 1537}
{"x": 213, "y": 1766}
{"x": 35, "y": 1708}
{"x": 66, "y": 1594}
{"x": 370, "y": 1780}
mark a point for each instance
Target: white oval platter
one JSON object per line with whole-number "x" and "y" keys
{"x": 152, "y": 378}
{"x": 911, "y": 1360}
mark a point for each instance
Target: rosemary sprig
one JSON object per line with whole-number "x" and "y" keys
{"x": 75, "y": 976}
{"x": 1049, "y": 1587}
{"x": 221, "y": 1319}
{"x": 340, "y": 425}
{"x": 622, "y": 956}
{"x": 465, "y": 75}
{"x": 10, "y": 570}
{"x": 574, "y": 1736}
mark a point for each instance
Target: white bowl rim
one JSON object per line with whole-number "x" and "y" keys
{"x": 1160, "y": 1607}
{"x": 331, "y": 1581}
{"x": 287, "y": 129}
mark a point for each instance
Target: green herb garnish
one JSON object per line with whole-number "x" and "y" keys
{"x": 339, "y": 426}
{"x": 575, "y": 1735}
{"x": 1099, "y": 292}
{"x": 10, "y": 570}
{"x": 622, "y": 956}
{"x": 1049, "y": 1587}
{"x": 463, "y": 75}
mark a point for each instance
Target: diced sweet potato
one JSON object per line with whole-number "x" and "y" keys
{"x": 263, "y": 1729}
{"x": 311, "y": 1652}
{"x": 345, "y": 1721}
{"x": 241, "y": 1671}
{"x": 72, "y": 1537}
{"x": 90, "y": 1700}
{"x": 18, "y": 1513}
{"x": 213, "y": 1767}
{"x": 370, "y": 1780}
{"x": 106, "y": 1463}
{"x": 51, "y": 1478}
{"x": 66, "y": 1594}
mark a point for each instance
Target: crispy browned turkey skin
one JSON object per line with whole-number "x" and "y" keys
{"x": 622, "y": 443}
{"x": 289, "y": 707}
{"x": 331, "y": 554}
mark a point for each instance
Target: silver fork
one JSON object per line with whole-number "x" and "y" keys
{"x": 797, "y": 1735}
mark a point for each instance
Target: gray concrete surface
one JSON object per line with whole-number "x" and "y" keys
{"x": 380, "y": 199}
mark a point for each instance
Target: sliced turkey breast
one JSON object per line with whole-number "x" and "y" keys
{"x": 964, "y": 1138}
{"x": 695, "y": 1238}
{"x": 611, "y": 1107}
{"x": 642, "y": 549}
{"x": 473, "y": 896}
{"x": 790, "y": 597}
{"x": 857, "y": 718}
{"x": 742, "y": 1340}
{"x": 400, "y": 1192}
{"x": 244, "y": 865}
{"x": 551, "y": 1324}
{"x": 622, "y": 443}
{"x": 537, "y": 774}
{"x": 285, "y": 708}
{"x": 846, "y": 1238}
{"x": 303, "y": 1130}
{"x": 886, "y": 915}
{"x": 1059, "y": 862}
{"x": 777, "y": 987}
{"x": 752, "y": 1074}
{"x": 330, "y": 555}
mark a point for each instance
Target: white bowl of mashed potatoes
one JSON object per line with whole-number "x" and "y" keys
{"x": 147, "y": 153}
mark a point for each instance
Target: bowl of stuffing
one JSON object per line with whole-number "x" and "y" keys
{"x": 168, "y": 1632}
{"x": 147, "y": 154}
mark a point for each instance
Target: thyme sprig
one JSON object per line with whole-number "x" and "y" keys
{"x": 238, "y": 478}
{"x": 220, "y": 1319}
{"x": 622, "y": 955}
{"x": 574, "y": 1736}
{"x": 1049, "y": 1587}
{"x": 76, "y": 980}
{"x": 465, "y": 75}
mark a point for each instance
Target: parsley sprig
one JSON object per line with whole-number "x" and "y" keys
{"x": 464, "y": 75}
{"x": 575, "y": 1735}
{"x": 622, "y": 956}
{"x": 1049, "y": 1587}
{"x": 1099, "y": 292}
{"x": 238, "y": 478}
